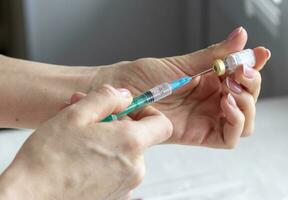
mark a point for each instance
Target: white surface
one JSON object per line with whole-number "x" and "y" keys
{"x": 10, "y": 142}
{"x": 257, "y": 169}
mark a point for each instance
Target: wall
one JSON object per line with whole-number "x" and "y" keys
{"x": 226, "y": 15}
{"x": 90, "y": 32}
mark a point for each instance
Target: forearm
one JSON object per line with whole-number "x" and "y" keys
{"x": 33, "y": 92}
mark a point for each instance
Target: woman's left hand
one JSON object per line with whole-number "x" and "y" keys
{"x": 211, "y": 111}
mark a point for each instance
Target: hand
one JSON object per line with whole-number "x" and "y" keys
{"x": 205, "y": 112}
{"x": 74, "y": 156}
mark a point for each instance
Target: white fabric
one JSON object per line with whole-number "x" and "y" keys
{"x": 257, "y": 169}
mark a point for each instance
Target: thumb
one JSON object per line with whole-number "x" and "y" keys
{"x": 77, "y": 96}
{"x": 155, "y": 126}
{"x": 99, "y": 104}
{"x": 200, "y": 60}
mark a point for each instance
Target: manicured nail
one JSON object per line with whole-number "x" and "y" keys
{"x": 249, "y": 72}
{"x": 267, "y": 54}
{"x": 231, "y": 100}
{"x": 124, "y": 92}
{"x": 234, "y": 33}
{"x": 233, "y": 85}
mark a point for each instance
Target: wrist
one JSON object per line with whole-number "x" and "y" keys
{"x": 34, "y": 92}
{"x": 115, "y": 75}
{"x": 15, "y": 184}
{"x": 81, "y": 78}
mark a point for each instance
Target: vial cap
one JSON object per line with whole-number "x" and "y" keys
{"x": 219, "y": 67}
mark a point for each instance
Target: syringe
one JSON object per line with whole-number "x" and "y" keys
{"x": 220, "y": 67}
{"x": 153, "y": 95}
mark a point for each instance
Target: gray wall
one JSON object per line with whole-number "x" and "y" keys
{"x": 95, "y": 32}
{"x": 90, "y": 32}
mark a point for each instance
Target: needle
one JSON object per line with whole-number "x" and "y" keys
{"x": 204, "y": 72}
{"x": 153, "y": 95}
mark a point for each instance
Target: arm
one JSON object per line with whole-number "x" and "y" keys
{"x": 33, "y": 92}
{"x": 84, "y": 159}
{"x": 211, "y": 111}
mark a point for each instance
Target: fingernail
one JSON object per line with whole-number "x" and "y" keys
{"x": 124, "y": 92}
{"x": 267, "y": 54}
{"x": 249, "y": 72}
{"x": 231, "y": 100}
{"x": 234, "y": 33}
{"x": 68, "y": 102}
{"x": 233, "y": 85}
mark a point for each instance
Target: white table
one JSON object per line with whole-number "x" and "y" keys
{"x": 257, "y": 169}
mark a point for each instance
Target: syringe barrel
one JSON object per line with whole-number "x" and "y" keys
{"x": 161, "y": 91}
{"x": 153, "y": 95}
{"x": 137, "y": 103}
{"x": 245, "y": 57}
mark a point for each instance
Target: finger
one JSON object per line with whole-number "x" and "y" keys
{"x": 250, "y": 79}
{"x": 125, "y": 117}
{"x": 245, "y": 102}
{"x": 77, "y": 96}
{"x": 234, "y": 124}
{"x": 262, "y": 55}
{"x": 99, "y": 104}
{"x": 200, "y": 60}
{"x": 157, "y": 128}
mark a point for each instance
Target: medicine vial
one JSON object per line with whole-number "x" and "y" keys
{"x": 230, "y": 63}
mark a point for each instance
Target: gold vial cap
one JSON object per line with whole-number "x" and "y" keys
{"x": 219, "y": 67}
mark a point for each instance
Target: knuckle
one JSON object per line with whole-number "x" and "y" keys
{"x": 212, "y": 50}
{"x": 230, "y": 145}
{"x": 258, "y": 79}
{"x": 251, "y": 105}
{"x": 127, "y": 127}
{"x": 248, "y": 131}
{"x": 138, "y": 173}
{"x": 74, "y": 114}
{"x": 144, "y": 61}
{"x": 127, "y": 196}
{"x": 241, "y": 119}
{"x": 108, "y": 90}
{"x": 133, "y": 144}
{"x": 123, "y": 62}
{"x": 168, "y": 125}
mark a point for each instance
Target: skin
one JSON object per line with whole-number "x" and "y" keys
{"x": 78, "y": 161}
{"x": 200, "y": 113}
{"x": 32, "y": 92}
{"x": 206, "y": 113}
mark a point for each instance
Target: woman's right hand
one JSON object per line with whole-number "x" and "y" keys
{"x": 74, "y": 156}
